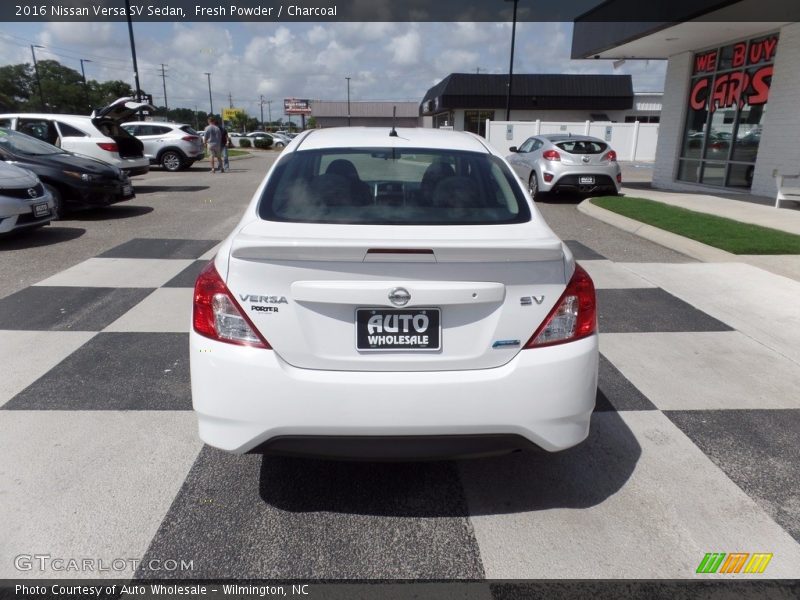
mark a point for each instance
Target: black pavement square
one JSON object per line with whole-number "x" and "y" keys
{"x": 160, "y": 248}
{"x": 758, "y": 450}
{"x": 187, "y": 277}
{"x": 256, "y": 516}
{"x": 56, "y": 308}
{"x": 582, "y": 252}
{"x": 641, "y": 310}
{"x": 615, "y": 392}
{"x": 116, "y": 371}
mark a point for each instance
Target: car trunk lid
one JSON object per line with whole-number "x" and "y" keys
{"x": 350, "y": 297}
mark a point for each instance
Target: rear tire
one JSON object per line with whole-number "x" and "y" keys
{"x": 171, "y": 161}
{"x": 533, "y": 186}
{"x": 58, "y": 202}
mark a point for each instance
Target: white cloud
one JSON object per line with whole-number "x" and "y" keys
{"x": 407, "y": 48}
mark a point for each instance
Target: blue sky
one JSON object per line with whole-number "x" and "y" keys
{"x": 385, "y": 61}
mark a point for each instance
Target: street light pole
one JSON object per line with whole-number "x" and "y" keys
{"x": 262, "y": 111}
{"x": 85, "y": 86}
{"x": 36, "y": 70}
{"x": 133, "y": 51}
{"x": 269, "y": 111}
{"x": 348, "y": 101}
{"x": 210, "y": 101}
{"x": 511, "y": 61}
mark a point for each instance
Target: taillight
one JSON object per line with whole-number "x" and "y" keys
{"x": 548, "y": 177}
{"x": 108, "y": 146}
{"x": 619, "y": 177}
{"x": 574, "y": 315}
{"x": 218, "y": 316}
{"x": 190, "y": 138}
{"x": 551, "y": 155}
{"x": 610, "y": 156}
{"x": 717, "y": 146}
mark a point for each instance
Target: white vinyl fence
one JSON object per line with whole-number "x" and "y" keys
{"x": 631, "y": 141}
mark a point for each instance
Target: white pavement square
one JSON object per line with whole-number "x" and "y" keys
{"x": 761, "y": 305}
{"x": 119, "y": 272}
{"x": 675, "y": 506}
{"x": 609, "y": 275}
{"x": 704, "y": 370}
{"x": 27, "y": 355}
{"x": 165, "y": 310}
{"x": 89, "y": 484}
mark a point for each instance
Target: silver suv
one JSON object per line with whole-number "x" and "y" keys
{"x": 174, "y": 146}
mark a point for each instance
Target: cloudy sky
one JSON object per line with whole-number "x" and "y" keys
{"x": 385, "y": 61}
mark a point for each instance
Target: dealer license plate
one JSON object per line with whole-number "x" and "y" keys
{"x": 398, "y": 329}
{"x": 127, "y": 190}
{"x": 41, "y": 210}
{"x": 586, "y": 179}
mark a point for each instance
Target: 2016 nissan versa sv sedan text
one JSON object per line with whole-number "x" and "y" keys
{"x": 393, "y": 295}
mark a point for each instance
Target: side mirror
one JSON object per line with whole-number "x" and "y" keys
{"x": 512, "y": 149}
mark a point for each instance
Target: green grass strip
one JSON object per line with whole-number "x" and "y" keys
{"x": 733, "y": 236}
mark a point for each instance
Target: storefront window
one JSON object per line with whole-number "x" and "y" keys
{"x": 727, "y": 101}
{"x": 475, "y": 121}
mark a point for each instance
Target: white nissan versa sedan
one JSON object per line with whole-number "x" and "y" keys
{"x": 393, "y": 295}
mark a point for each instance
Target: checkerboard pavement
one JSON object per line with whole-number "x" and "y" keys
{"x": 693, "y": 446}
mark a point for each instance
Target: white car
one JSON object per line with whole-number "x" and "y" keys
{"x": 98, "y": 136}
{"x": 392, "y": 296}
{"x": 24, "y": 201}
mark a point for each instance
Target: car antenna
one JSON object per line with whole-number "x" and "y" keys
{"x": 393, "y": 132}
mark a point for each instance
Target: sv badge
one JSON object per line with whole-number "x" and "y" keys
{"x": 528, "y": 300}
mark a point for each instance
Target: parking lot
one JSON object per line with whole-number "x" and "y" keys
{"x": 693, "y": 447}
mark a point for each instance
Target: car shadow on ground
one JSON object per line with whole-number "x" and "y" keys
{"x": 530, "y": 480}
{"x": 151, "y": 189}
{"x": 45, "y": 236}
{"x": 108, "y": 213}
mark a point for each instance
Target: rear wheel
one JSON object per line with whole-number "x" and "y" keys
{"x": 533, "y": 186}
{"x": 171, "y": 161}
{"x": 58, "y": 202}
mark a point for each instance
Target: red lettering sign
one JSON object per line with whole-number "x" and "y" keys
{"x": 739, "y": 54}
{"x": 699, "y": 94}
{"x": 762, "y": 51}
{"x": 761, "y": 83}
{"x": 705, "y": 62}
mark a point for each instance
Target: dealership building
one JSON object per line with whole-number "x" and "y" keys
{"x": 465, "y": 101}
{"x": 365, "y": 113}
{"x": 730, "y": 115}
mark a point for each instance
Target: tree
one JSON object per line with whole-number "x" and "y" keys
{"x": 62, "y": 89}
{"x": 16, "y": 86}
{"x": 103, "y": 94}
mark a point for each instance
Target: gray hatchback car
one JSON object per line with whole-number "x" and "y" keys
{"x": 564, "y": 162}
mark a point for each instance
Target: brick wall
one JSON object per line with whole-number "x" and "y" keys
{"x": 780, "y": 137}
{"x": 673, "y": 116}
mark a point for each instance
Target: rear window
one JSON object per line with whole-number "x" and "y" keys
{"x": 582, "y": 147}
{"x": 189, "y": 130}
{"x": 385, "y": 186}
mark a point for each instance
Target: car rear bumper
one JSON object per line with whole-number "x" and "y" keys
{"x": 247, "y": 398}
{"x": 603, "y": 181}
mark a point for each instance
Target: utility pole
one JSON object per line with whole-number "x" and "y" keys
{"x": 511, "y": 62}
{"x": 230, "y": 100}
{"x": 85, "y": 86}
{"x": 133, "y": 51}
{"x": 210, "y": 101}
{"x": 38, "y": 81}
{"x": 164, "y": 83}
{"x": 269, "y": 110}
{"x": 262, "y": 111}
{"x": 348, "y": 101}
{"x": 196, "y": 120}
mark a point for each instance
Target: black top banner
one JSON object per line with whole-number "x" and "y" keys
{"x": 664, "y": 11}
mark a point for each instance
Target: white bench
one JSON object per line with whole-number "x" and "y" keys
{"x": 788, "y": 188}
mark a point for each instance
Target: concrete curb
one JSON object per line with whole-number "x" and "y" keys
{"x": 697, "y": 250}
